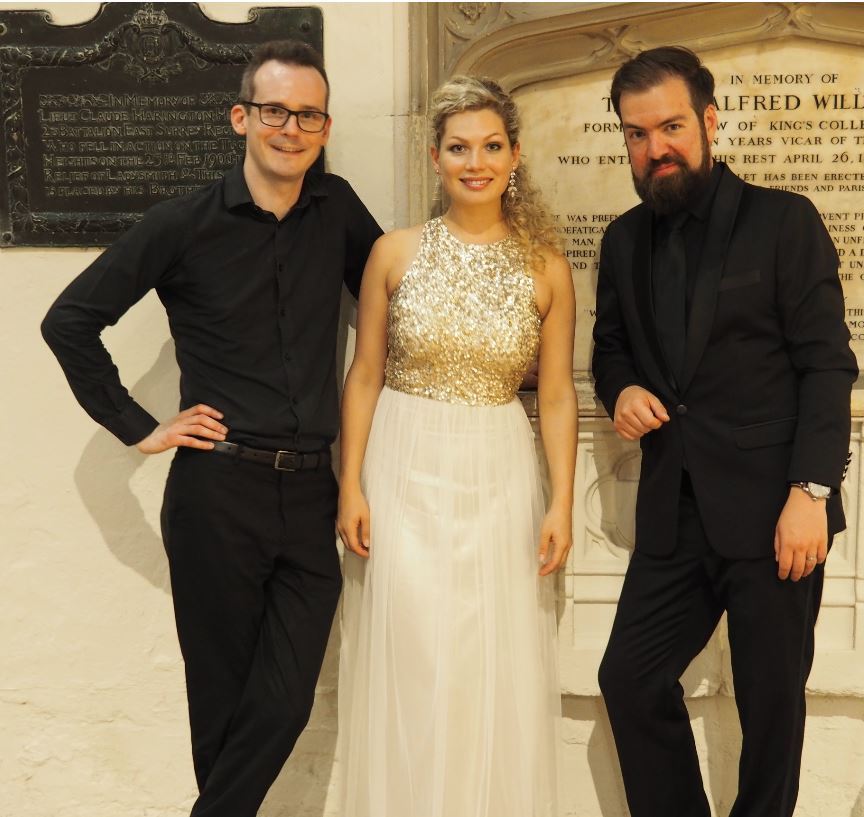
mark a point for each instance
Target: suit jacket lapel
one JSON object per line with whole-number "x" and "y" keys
{"x": 713, "y": 258}
{"x": 655, "y": 363}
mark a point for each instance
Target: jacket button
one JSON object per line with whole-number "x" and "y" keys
{"x": 681, "y": 409}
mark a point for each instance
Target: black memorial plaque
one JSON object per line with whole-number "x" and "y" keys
{"x": 104, "y": 119}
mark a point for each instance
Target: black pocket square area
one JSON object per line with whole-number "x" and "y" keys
{"x": 740, "y": 279}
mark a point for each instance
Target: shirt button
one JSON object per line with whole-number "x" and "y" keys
{"x": 287, "y": 355}
{"x": 681, "y": 409}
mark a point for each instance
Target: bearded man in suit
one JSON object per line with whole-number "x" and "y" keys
{"x": 720, "y": 345}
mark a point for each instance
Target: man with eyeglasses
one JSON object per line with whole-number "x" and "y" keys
{"x": 250, "y": 270}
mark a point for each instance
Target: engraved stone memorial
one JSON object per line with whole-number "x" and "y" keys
{"x": 791, "y": 115}
{"x": 103, "y": 120}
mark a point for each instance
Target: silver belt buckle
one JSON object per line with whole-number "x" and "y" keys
{"x": 278, "y": 463}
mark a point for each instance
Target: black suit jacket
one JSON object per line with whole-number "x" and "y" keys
{"x": 765, "y": 395}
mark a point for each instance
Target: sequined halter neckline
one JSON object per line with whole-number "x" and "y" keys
{"x": 463, "y": 324}
{"x": 450, "y": 234}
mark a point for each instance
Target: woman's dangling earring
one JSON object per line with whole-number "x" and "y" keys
{"x": 512, "y": 190}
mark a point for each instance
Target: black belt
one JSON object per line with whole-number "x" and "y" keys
{"x": 280, "y": 460}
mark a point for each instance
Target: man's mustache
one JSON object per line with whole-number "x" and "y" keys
{"x": 664, "y": 160}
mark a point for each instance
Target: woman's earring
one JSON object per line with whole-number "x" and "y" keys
{"x": 512, "y": 190}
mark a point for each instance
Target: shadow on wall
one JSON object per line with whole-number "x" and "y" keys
{"x": 602, "y": 758}
{"x": 302, "y": 788}
{"x": 717, "y": 716}
{"x": 832, "y": 754}
{"x": 104, "y": 477}
{"x": 106, "y": 469}
{"x": 712, "y": 713}
{"x": 722, "y": 737}
{"x": 105, "y": 472}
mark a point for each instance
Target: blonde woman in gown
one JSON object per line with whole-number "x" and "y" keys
{"x": 448, "y": 691}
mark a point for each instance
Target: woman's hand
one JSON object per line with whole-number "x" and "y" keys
{"x": 556, "y": 539}
{"x": 352, "y": 521}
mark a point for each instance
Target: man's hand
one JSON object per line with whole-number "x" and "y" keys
{"x": 637, "y": 412}
{"x": 185, "y": 430}
{"x": 352, "y": 521}
{"x": 802, "y": 532}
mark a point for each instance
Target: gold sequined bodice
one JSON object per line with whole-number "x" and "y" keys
{"x": 462, "y": 325}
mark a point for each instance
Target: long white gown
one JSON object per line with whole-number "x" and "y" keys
{"x": 449, "y": 700}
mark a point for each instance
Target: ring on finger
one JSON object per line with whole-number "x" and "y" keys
{"x": 809, "y": 558}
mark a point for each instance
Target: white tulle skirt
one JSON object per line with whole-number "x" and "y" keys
{"x": 449, "y": 701}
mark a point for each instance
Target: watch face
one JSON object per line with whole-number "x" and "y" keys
{"x": 821, "y": 491}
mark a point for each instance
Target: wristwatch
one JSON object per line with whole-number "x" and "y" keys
{"x": 814, "y": 490}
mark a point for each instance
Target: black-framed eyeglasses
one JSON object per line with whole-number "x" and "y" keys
{"x": 275, "y": 116}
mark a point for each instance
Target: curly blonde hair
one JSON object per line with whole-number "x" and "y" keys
{"x": 525, "y": 214}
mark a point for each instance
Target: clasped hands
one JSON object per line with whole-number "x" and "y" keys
{"x": 802, "y": 529}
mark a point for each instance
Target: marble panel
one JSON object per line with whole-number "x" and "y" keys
{"x": 791, "y": 116}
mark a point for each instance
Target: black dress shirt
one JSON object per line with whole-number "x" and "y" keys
{"x": 698, "y": 212}
{"x": 252, "y": 302}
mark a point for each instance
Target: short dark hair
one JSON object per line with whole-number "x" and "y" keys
{"x": 288, "y": 52}
{"x": 652, "y": 67}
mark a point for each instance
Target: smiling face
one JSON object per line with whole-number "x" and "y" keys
{"x": 668, "y": 143}
{"x": 475, "y": 158}
{"x": 281, "y": 156}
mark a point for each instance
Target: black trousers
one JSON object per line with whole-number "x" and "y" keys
{"x": 668, "y": 609}
{"x": 255, "y": 579}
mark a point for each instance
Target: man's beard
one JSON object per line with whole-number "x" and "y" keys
{"x": 672, "y": 192}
